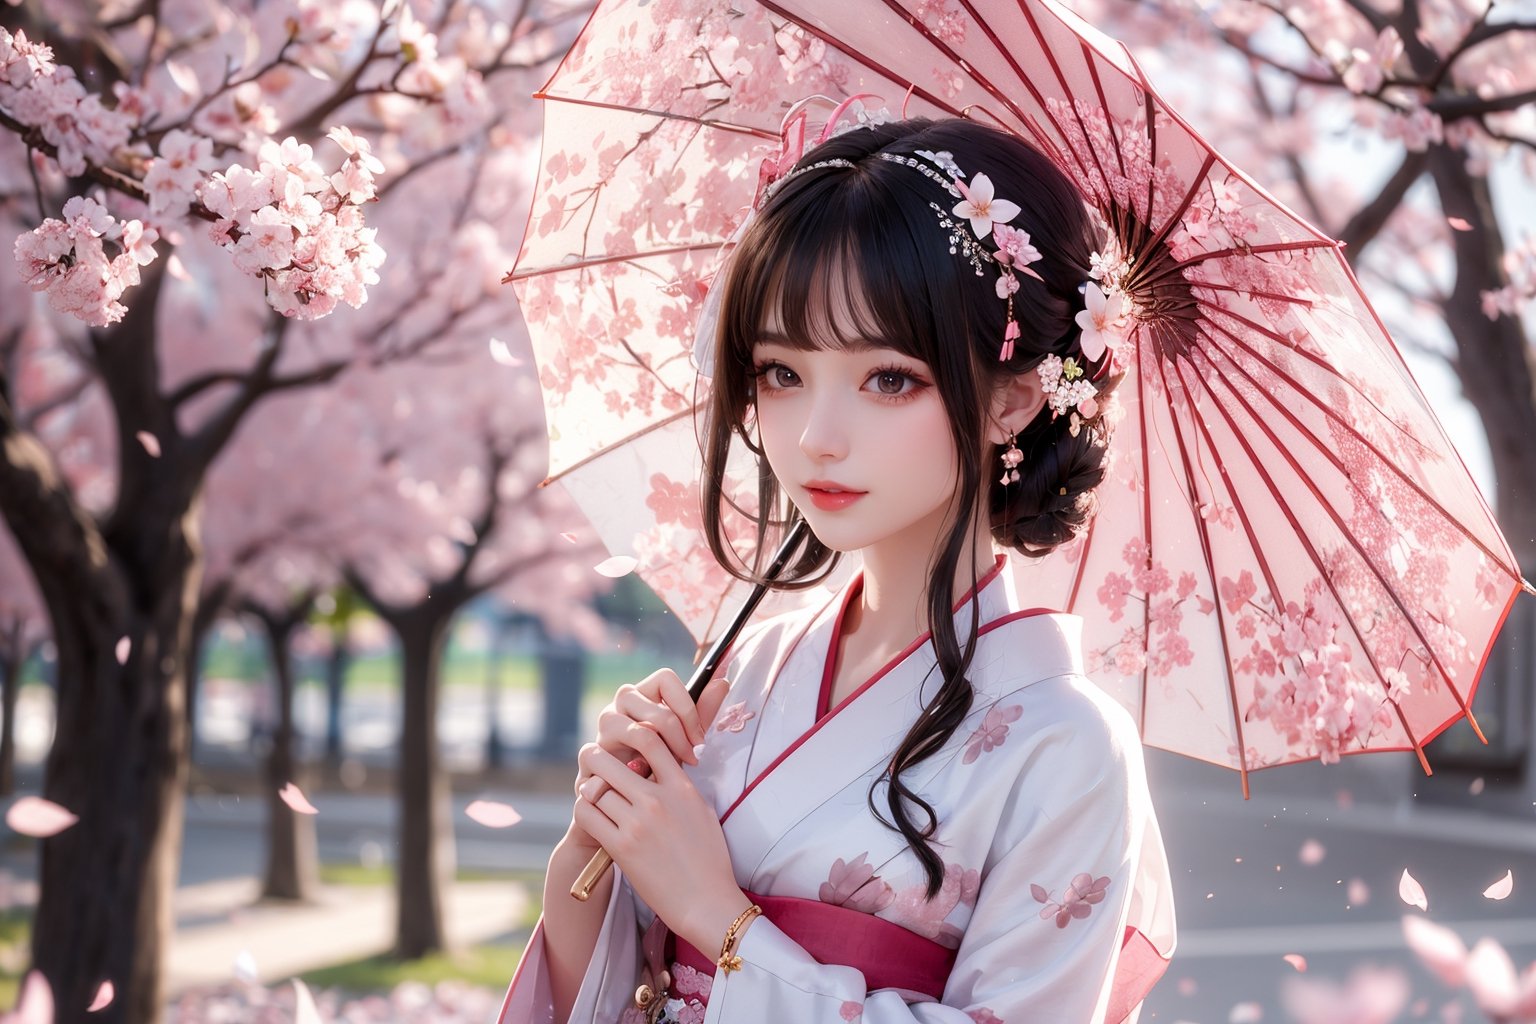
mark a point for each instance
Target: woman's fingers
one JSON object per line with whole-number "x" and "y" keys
{"x": 620, "y": 776}
{"x": 631, "y": 704}
{"x": 675, "y": 695}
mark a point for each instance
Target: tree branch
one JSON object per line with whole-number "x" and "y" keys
{"x": 1368, "y": 221}
{"x": 1451, "y": 108}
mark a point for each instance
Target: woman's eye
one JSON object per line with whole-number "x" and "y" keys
{"x": 777, "y": 375}
{"x": 891, "y": 382}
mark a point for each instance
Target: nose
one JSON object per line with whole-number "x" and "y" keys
{"x": 825, "y": 436}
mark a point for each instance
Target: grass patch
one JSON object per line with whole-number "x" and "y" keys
{"x": 384, "y": 874}
{"x": 15, "y": 952}
{"x": 487, "y": 966}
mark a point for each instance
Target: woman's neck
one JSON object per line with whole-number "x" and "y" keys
{"x": 892, "y": 606}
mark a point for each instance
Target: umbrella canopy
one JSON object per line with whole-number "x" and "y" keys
{"x": 1290, "y": 560}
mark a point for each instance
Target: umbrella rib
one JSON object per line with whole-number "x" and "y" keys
{"x": 1244, "y": 251}
{"x": 1312, "y": 553}
{"x": 668, "y": 115}
{"x": 648, "y": 428}
{"x": 1405, "y": 477}
{"x": 1142, "y": 356}
{"x": 597, "y": 261}
{"x": 1294, "y": 300}
{"x": 1024, "y": 79}
{"x": 1210, "y": 572}
{"x": 1082, "y": 564}
{"x": 868, "y": 62}
{"x": 1311, "y": 357}
{"x": 1184, "y": 204}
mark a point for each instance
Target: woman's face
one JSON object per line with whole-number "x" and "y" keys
{"x": 866, "y": 420}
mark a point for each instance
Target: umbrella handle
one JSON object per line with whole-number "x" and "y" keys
{"x": 601, "y": 861}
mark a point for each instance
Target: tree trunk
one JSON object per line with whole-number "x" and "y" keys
{"x": 13, "y": 658}
{"x": 1493, "y": 355}
{"x": 118, "y": 761}
{"x": 336, "y": 666}
{"x": 495, "y": 748}
{"x": 208, "y": 611}
{"x": 293, "y": 856}
{"x": 426, "y": 865}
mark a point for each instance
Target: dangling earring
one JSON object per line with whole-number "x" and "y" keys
{"x": 1011, "y": 459}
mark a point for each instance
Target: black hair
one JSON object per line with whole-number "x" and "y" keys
{"x": 866, "y": 226}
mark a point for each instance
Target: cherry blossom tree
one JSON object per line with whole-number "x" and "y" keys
{"x": 201, "y": 199}
{"x": 465, "y": 445}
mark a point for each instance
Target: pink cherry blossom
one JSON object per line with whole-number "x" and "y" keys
{"x": 1102, "y": 322}
{"x": 981, "y": 208}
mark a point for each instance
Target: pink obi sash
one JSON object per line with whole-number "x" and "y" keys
{"x": 888, "y": 955}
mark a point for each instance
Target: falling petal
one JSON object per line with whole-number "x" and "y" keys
{"x": 1491, "y": 977}
{"x": 1439, "y": 948}
{"x": 1458, "y": 223}
{"x": 304, "y": 1009}
{"x": 245, "y": 967}
{"x": 1476, "y": 787}
{"x": 1188, "y": 986}
{"x": 1296, "y": 960}
{"x": 569, "y": 536}
{"x": 294, "y": 798}
{"x": 33, "y": 816}
{"x": 184, "y": 77}
{"x": 124, "y": 646}
{"x": 1501, "y": 889}
{"x": 176, "y": 268}
{"x": 36, "y": 1003}
{"x": 1359, "y": 892}
{"x": 502, "y": 354}
{"x": 618, "y": 565}
{"x": 103, "y": 999}
{"x": 493, "y": 814}
{"x": 1312, "y": 852}
{"x": 1246, "y": 1013}
{"x": 1412, "y": 892}
{"x": 150, "y": 442}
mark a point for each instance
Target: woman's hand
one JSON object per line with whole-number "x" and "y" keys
{"x": 659, "y": 706}
{"x": 665, "y": 836}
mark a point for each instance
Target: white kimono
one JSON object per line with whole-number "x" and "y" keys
{"x": 1056, "y": 906}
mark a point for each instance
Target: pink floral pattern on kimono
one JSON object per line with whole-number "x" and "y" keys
{"x": 992, "y": 732}
{"x": 1084, "y": 891}
{"x": 734, "y": 718}
{"x": 850, "y": 1010}
{"x": 688, "y": 982}
{"x": 982, "y": 1015}
{"x": 913, "y": 910}
{"x": 848, "y": 885}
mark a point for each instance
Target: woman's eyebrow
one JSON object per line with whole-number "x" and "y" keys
{"x": 850, "y": 344}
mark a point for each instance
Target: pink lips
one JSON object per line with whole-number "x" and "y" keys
{"x": 829, "y": 495}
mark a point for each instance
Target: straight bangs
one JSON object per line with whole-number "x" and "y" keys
{"x": 823, "y": 269}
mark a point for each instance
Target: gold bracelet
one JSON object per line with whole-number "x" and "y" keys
{"x": 729, "y": 961}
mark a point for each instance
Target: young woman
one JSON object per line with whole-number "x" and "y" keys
{"x": 907, "y": 803}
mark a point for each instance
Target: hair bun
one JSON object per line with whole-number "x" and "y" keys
{"x": 1055, "y": 496}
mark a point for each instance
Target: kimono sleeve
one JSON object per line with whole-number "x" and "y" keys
{"x": 1045, "y": 936}
{"x": 607, "y": 989}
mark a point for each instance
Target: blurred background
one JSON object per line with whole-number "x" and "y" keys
{"x": 285, "y": 616}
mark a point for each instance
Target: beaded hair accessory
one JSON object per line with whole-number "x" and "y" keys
{"x": 985, "y": 214}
